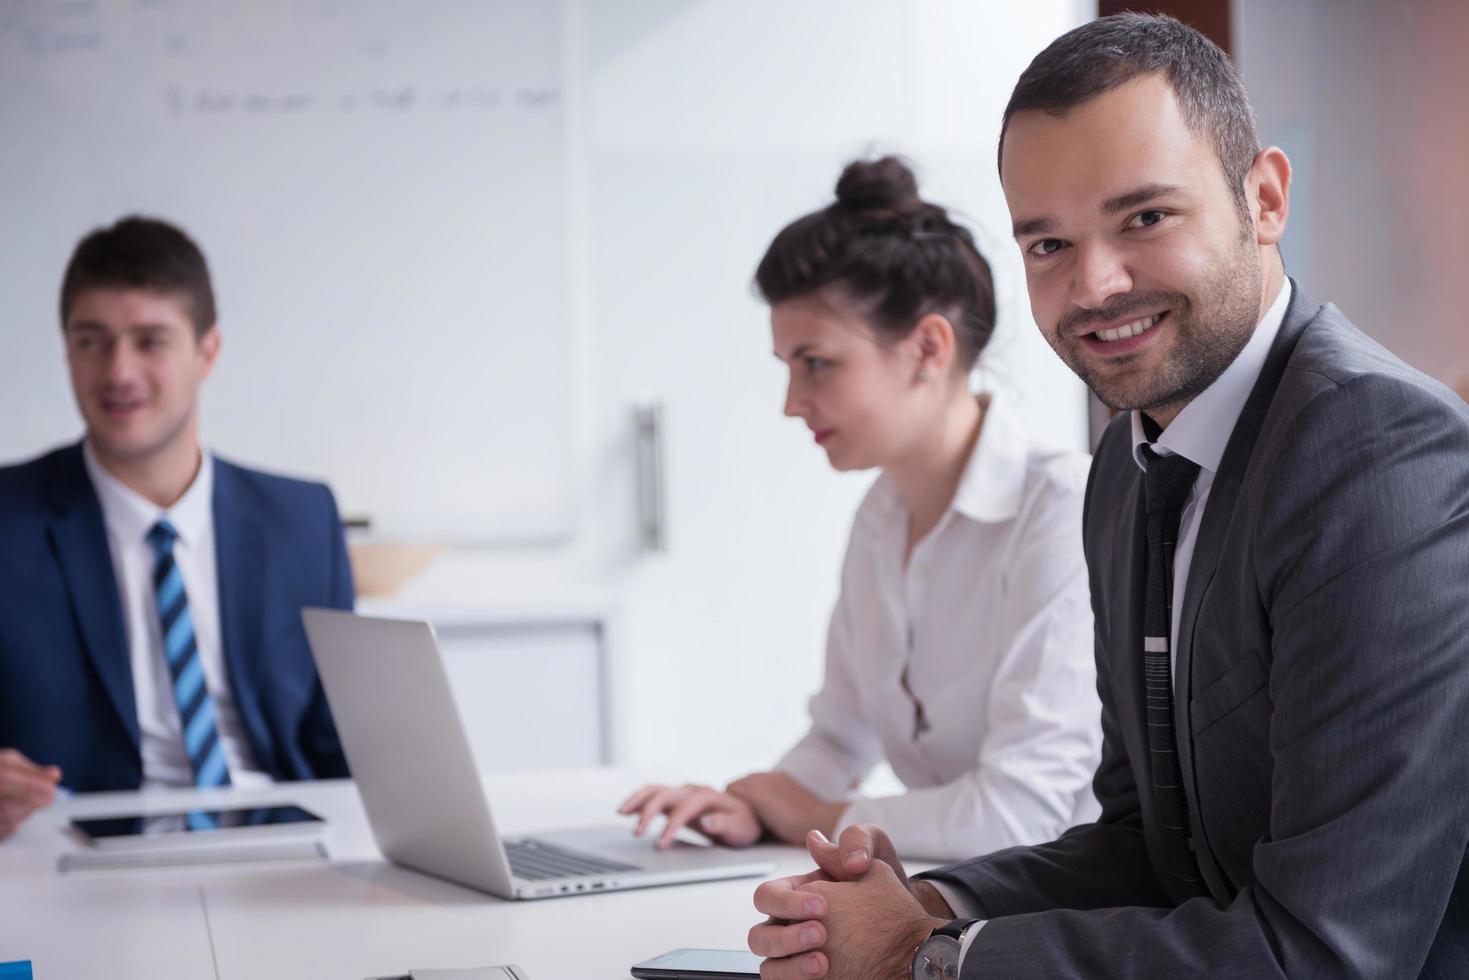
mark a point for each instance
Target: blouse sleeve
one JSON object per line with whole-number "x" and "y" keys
{"x": 841, "y": 747}
{"x": 1032, "y": 777}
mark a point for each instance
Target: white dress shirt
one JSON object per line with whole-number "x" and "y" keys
{"x": 1199, "y": 432}
{"x": 991, "y": 622}
{"x": 128, "y": 517}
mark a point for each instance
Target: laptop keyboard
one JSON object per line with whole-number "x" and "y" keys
{"x": 538, "y": 861}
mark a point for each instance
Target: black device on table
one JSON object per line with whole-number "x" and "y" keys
{"x": 700, "y": 964}
{"x": 197, "y": 825}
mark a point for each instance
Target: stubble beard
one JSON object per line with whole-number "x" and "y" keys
{"x": 1207, "y": 336}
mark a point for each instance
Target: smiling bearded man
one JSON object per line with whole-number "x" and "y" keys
{"x": 1277, "y": 537}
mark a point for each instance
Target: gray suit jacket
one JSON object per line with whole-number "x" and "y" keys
{"x": 1323, "y": 705}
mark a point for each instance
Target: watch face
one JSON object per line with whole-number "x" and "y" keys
{"x": 937, "y": 959}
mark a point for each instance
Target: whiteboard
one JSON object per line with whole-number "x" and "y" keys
{"x": 380, "y": 190}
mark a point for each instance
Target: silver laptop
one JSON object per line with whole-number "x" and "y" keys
{"x": 416, "y": 773}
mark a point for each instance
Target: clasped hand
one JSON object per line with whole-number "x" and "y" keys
{"x": 857, "y": 917}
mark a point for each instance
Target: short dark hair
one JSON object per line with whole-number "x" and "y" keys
{"x": 896, "y": 255}
{"x": 1109, "y": 51}
{"x": 141, "y": 253}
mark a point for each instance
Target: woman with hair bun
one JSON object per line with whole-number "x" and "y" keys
{"x": 960, "y": 648}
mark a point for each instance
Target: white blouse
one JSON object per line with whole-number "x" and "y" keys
{"x": 991, "y": 624}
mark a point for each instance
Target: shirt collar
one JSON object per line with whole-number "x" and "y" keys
{"x": 1201, "y": 431}
{"x": 993, "y": 483}
{"x": 131, "y": 515}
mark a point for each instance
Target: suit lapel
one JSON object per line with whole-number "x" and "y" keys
{"x": 1214, "y": 532}
{"x": 240, "y": 557}
{"x": 79, "y": 538}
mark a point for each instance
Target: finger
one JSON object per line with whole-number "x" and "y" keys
{"x": 14, "y": 760}
{"x": 19, "y": 766}
{"x": 635, "y": 801}
{"x": 858, "y": 845}
{"x": 737, "y": 826}
{"x": 25, "y": 773}
{"x": 679, "y": 817}
{"x": 882, "y": 846}
{"x": 778, "y": 939}
{"x": 21, "y": 787}
{"x": 717, "y": 824}
{"x": 659, "y": 802}
{"x": 784, "y": 898}
{"x": 797, "y": 968}
{"x": 828, "y": 857}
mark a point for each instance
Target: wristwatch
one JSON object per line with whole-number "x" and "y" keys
{"x": 938, "y": 956}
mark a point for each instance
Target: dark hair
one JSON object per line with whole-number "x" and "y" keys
{"x": 896, "y": 255}
{"x": 1109, "y": 51}
{"x": 141, "y": 253}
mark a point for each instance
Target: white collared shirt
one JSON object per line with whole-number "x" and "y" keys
{"x": 992, "y": 621}
{"x": 128, "y": 517}
{"x": 1200, "y": 433}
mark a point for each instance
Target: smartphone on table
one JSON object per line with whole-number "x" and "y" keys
{"x": 700, "y": 964}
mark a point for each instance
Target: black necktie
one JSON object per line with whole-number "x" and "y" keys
{"x": 1166, "y": 486}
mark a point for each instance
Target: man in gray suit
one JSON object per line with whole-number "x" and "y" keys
{"x": 1277, "y": 534}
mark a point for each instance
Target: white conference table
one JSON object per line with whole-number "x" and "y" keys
{"x": 352, "y": 916}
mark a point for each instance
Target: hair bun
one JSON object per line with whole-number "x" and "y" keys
{"x": 885, "y": 184}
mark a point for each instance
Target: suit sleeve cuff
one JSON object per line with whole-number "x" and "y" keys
{"x": 969, "y": 936}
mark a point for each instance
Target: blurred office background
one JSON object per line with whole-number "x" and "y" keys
{"x": 485, "y": 267}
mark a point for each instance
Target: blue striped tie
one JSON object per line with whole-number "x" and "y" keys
{"x": 196, "y": 707}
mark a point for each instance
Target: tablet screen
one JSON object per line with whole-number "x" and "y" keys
{"x": 157, "y": 825}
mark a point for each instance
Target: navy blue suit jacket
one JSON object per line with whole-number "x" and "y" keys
{"x": 66, "y": 684}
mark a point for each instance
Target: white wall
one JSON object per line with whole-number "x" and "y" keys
{"x": 1368, "y": 98}
{"x": 380, "y": 189}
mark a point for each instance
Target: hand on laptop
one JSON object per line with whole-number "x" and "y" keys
{"x": 759, "y": 802}
{"x": 24, "y": 788}
{"x": 718, "y": 816}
